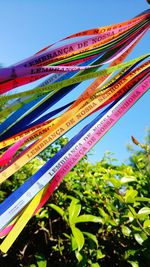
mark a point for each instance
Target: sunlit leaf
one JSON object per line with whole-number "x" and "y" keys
{"x": 88, "y": 218}
{"x": 115, "y": 182}
{"x": 92, "y": 237}
{"x": 57, "y": 209}
{"x": 74, "y": 244}
{"x": 78, "y": 237}
{"x": 41, "y": 261}
{"x": 125, "y": 180}
{"x": 134, "y": 263}
{"x": 78, "y": 256}
{"x": 125, "y": 230}
{"x": 118, "y": 197}
{"x": 132, "y": 210}
{"x": 74, "y": 210}
{"x": 144, "y": 211}
{"x": 130, "y": 195}
{"x": 142, "y": 199}
{"x": 146, "y": 224}
{"x": 100, "y": 255}
{"x": 95, "y": 264}
{"x": 129, "y": 252}
{"x": 104, "y": 214}
{"x": 140, "y": 237}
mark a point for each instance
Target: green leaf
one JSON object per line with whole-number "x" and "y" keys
{"x": 78, "y": 256}
{"x": 140, "y": 237}
{"x": 142, "y": 199}
{"x": 78, "y": 237}
{"x": 129, "y": 253}
{"x": 100, "y": 255}
{"x": 104, "y": 214}
{"x": 130, "y": 195}
{"x": 146, "y": 224}
{"x": 57, "y": 209}
{"x": 134, "y": 263}
{"x": 132, "y": 210}
{"x": 43, "y": 214}
{"x": 113, "y": 222}
{"x": 74, "y": 210}
{"x": 118, "y": 197}
{"x": 95, "y": 265}
{"x": 136, "y": 228}
{"x": 125, "y": 180}
{"x": 130, "y": 216}
{"x": 74, "y": 244}
{"x": 91, "y": 236}
{"x": 125, "y": 230}
{"x": 66, "y": 235}
{"x": 88, "y": 218}
{"x": 41, "y": 261}
{"x": 115, "y": 182}
{"x": 144, "y": 211}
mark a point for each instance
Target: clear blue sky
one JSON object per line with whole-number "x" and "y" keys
{"x": 28, "y": 26}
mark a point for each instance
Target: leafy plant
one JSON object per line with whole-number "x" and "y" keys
{"x": 99, "y": 215}
{"x": 72, "y": 217}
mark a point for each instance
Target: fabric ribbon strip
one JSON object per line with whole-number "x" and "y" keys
{"x": 63, "y": 124}
{"x": 10, "y": 207}
{"x": 10, "y": 152}
{"x": 13, "y": 117}
{"x": 11, "y": 72}
{"x": 57, "y": 85}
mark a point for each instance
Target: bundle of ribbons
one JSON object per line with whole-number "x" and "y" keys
{"x": 28, "y": 126}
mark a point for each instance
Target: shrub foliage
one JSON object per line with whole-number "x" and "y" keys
{"x": 99, "y": 215}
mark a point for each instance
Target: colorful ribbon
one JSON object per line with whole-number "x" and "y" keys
{"x": 29, "y": 128}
